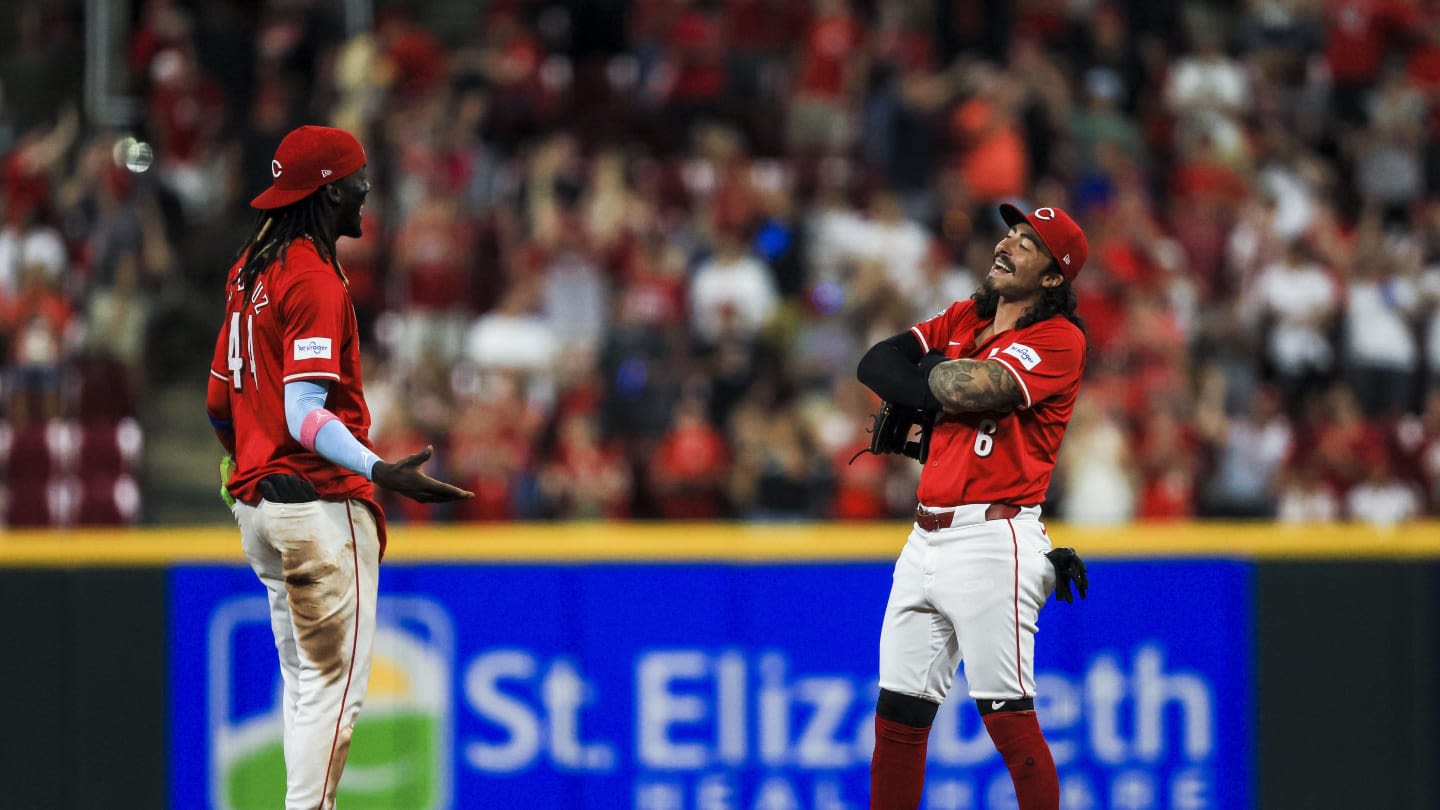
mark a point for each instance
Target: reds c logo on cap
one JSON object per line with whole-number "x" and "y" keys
{"x": 306, "y": 159}
{"x": 1061, "y": 235}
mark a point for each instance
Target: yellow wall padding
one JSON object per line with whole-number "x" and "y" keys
{"x": 724, "y": 542}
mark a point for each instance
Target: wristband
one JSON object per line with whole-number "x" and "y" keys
{"x": 309, "y": 428}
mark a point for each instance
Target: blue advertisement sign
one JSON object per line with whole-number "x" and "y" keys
{"x": 711, "y": 687}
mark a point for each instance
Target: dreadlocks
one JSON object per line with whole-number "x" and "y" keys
{"x": 276, "y": 229}
{"x": 1057, "y": 300}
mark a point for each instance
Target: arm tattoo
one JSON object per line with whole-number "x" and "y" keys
{"x": 975, "y": 385}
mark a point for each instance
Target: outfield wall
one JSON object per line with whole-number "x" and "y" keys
{"x": 687, "y": 666}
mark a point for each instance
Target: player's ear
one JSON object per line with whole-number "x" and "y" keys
{"x": 331, "y": 192}
{"x": 1053, "y": 278}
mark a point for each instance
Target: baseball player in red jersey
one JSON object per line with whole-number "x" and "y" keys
{"x": 993, "y": 380}
{"x": 287, "y": 401}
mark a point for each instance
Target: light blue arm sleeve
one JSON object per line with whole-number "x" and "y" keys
{"x": 334, "y": 442}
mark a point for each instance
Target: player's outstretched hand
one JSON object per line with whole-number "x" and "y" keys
{"x": 406, "y": 477}
{"x": 1068, "y": 568}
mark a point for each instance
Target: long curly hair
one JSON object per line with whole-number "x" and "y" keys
{"x": 276, "y": 229}
{"x": 1058, "y": 300}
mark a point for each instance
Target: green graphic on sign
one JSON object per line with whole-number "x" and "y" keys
{"x": 399, "y": 753}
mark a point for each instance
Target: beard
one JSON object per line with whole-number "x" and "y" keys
{"x": 350, "y": 224}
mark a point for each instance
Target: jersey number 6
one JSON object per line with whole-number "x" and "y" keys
{"x": 985, "y": 437}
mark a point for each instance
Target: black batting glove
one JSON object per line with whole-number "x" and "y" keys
{"x": 1068, "y": 568}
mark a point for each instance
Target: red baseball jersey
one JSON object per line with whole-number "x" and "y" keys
{"x": 1002, "y": 457}
{"x": 298, "y": 324}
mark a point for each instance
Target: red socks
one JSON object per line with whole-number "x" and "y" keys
{"x": 897, "y": 768}
{"x": 1018, "y": 738}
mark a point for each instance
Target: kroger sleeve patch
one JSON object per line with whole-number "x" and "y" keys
{"x": 315, "y": 306}
{"x": 312, "y": 348}
{"x": 1028, "y": 357}
{"x": 1049, "y": 361}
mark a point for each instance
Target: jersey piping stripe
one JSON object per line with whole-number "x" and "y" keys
{"x": 924, "y": 344}
{"x": 217, "y": 375}
{"x": 310, "y": 375}
{"x": 354, "y": 648}
{"x": 1019, "y": 664}
{"x": 1013, "y": 373}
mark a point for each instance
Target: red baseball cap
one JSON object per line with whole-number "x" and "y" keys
{"x": 307, "y": 159}
{"x": 1062, "y": 237}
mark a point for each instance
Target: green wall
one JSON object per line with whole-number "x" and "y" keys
{"x": 82, "y": 689}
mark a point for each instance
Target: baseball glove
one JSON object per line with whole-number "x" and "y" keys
{"x": 1068, "y": 568}
{"x": 227, "y": 468}
{"x": 890, "y": 430}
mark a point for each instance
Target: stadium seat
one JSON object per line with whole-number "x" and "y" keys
{"x": 25, "y": 505}
{"x": 109, "y": 449}
{"x": 103, "y": 390}
{"x": 109, "y": 501}
{"x": 37, "y": 502}
{"x": 38, "y": 450}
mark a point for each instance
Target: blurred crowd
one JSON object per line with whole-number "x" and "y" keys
{"x": 622, "y": 256}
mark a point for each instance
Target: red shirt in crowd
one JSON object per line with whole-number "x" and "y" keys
{"x": 688, "y": 470}
{"x": 697, "y": 43}
{"x": 829, "y": 43}
{"x": 1357, "y": 35}
{"x": 860, "y": 486}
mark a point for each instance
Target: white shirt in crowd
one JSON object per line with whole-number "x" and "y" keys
{"x": 1209, "y": 91}
{"x": 1307, "y": 505}
{"x": 1207, "y": 83}
{"x": 575, "y": 301}
{"x": 1382, "y": 503}
{"x": 1299, "y": 297}
{"x": 40, "y": 246}
{"x": 1252, "y": 457}
{"x": 1430, "y": 291}
{"x": 510, "y": 340}
{"x": 1377, "y": 323}
{"x": 840, "y": 236}
{"x": 835, "y": 237}
{"x": 1098, "y": 487}
{"x": 732, "y": 297}
{"x": 900, "y": 247}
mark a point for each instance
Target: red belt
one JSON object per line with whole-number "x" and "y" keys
{"x": 934, "y": 521}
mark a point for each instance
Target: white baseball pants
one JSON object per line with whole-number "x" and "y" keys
{"x": 970, "y": 592}
{"x": 320, "y": 562}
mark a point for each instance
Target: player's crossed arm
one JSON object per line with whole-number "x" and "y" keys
{"x": 975, "y": 386}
